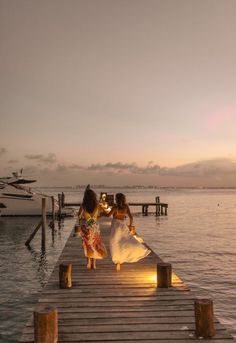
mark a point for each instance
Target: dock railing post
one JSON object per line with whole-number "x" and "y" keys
{"x": 76, "y": 231}
{"x": 53, "y": 212}
{"x": 164, "y": 275}
{"x": 44, "y": 223}
{"x": 59, "y": 204}
{"x": 157, "y": 206}
{"x": 65, "y": 275}
{"x": 62, "y": 199}
{"x": 204, "y": 318}
{"x": 46, "y": 325}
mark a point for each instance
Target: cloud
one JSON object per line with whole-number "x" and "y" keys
{"x": 50, "y": 158}
{"x": 3, "y": 151}
{"x": 13, "y": 161}
{"x": 111, "y": 168}
{"x": 131, "y": 168}
{"x": 215, "y": 167}
{"x": 200, "y": 171}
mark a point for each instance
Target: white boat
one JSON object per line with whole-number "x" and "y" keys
{"x": 18, "y": 199}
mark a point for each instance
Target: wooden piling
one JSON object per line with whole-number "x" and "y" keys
{"x": 62, "y": 199}
{"x": 76, "y": 231}
{"x": 44, "y": 223}
{"x": 162, "y": 212}
{"x": 65, "y": 275}
{"x": 46, "y": 325}
{"x": 204, "y": 318}
{"x": 164, "y": 274}
{"x": 53, "y": 211}
{"x": 145, "y": 209}
{"x": 27, "y": 243}
{"x": 59, "y": 205}
{"x": 157, "y": 206}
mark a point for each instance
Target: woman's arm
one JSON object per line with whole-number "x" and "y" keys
{"x": 80, "y": 212}
{"x": 111, "y": 213}
{"x": 101, "y": 212}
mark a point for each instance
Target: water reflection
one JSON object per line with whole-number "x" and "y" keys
{"x": 41, "y": 263}
{"x": 25, "y": 270}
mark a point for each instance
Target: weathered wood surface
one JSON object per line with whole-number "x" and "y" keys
{"x": 108, "y": 306}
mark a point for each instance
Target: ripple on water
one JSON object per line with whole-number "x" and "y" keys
{"x": 24, "y": 271}
{"x": 198, "y": 237}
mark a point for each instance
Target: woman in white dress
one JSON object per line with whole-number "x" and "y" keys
{"x": 123, "y": 245}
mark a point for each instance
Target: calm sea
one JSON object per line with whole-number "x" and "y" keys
{"x": 198, "y": 237}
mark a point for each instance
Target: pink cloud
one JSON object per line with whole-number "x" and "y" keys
{"x": 220, "y": 118}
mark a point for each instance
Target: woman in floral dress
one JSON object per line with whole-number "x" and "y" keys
{"x": 88, "y": 213}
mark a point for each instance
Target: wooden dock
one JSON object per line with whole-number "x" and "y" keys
{"x": 108, "y": 306}
{"x": 160, "y": 207}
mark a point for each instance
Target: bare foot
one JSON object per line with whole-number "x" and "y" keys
{"x": 89, "y": 263}
{"x": 118, "y": 267}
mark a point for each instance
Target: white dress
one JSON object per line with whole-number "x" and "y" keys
{"x": 123, "y": 245}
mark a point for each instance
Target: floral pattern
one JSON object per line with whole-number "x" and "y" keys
{"x": 93, "y": 246}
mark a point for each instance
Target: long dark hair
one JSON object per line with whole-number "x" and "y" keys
{"x": 121, "y": 201}
{"x": 90, "y": 201}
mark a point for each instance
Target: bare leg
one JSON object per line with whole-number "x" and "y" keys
{"x": 94, "y": 263}
{"x": 88, "y": 263}
{"x": 118, "y": 267}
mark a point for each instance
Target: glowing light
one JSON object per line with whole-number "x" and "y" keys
{"x": 152, "y": 277}
{"x": 139, "y": 239}
{"x": 175, "y": 280}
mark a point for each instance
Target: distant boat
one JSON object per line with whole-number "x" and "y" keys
{"x": 17, "y": 199}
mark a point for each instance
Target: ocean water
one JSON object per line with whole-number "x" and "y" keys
{"x": 198, "y": 236}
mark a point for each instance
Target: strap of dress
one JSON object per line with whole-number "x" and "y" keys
{"x": 91, "y": 216}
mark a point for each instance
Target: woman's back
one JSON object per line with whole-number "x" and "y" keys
{"x": 120, "y": 213}
{"x": 89, "y": 216}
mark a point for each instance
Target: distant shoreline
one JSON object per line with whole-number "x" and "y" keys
{"x": 130, "y": 187}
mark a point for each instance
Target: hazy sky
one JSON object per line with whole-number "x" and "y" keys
{"x": 119, "y": 91}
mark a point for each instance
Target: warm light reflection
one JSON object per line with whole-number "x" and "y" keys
{"x": 152, "y": 277}
{"x": 175, "y": 280}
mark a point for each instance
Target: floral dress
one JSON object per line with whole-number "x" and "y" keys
{"x": 90, "y": 233}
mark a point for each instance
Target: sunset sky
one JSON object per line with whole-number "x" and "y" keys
{"x": 119, "y": 91}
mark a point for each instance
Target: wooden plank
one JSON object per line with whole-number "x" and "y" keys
{"x": 74, "y": 336}
{"x": 77, "y": 328}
